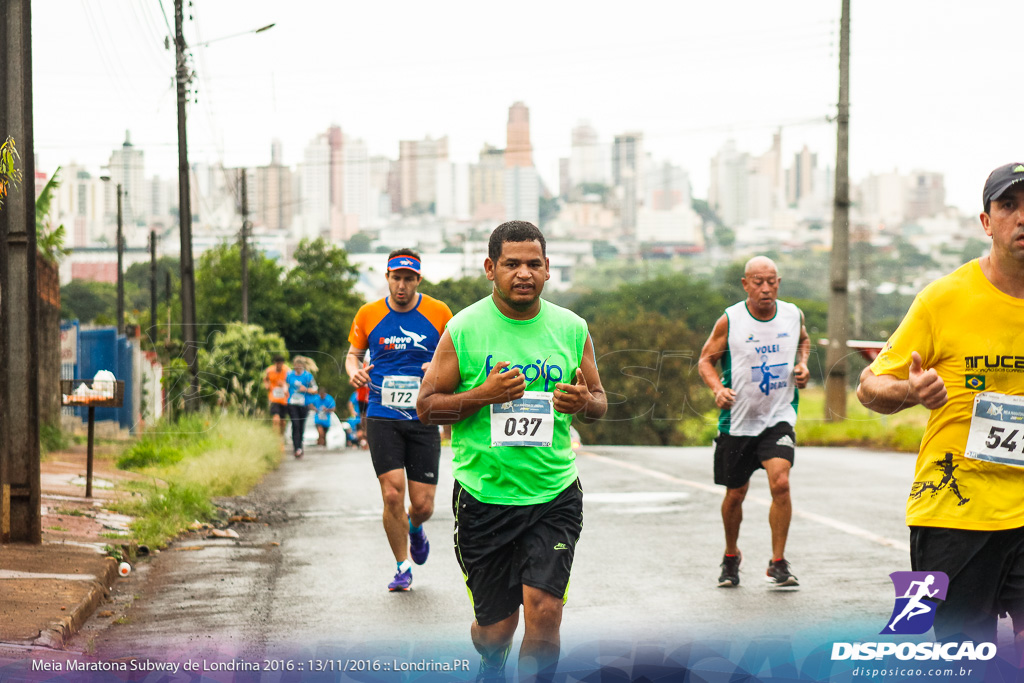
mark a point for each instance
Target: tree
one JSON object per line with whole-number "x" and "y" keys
{"x": 648, "y": 365}
{"x": 10, "y": 174}
{"x": 458, "y": 293}
{"x": 49, "y": 240}
{"x": 359, "y": 243}
{"x": 594, "y": 188}
{"x": 219, "y": 291}
{"x": 974, "y": 248}
{"x": 137, "y": 281}
{"x": 604, "y": 250}
{"x": 234, "y": 366}
{"x": 677, "y": 296}
{"x": 321, "y": 303}
{"x": 88, "y": 301}
{"x": 549, "y": 208}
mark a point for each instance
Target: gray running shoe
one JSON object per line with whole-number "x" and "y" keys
{"x": 730, "y": 577}
{"x": 779, "y": 574}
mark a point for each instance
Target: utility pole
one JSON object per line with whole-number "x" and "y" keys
{"x": 120, "y": 265}
{"x": 188, "y": 284}
{"x": 167, "y": 302}
{"x": 245, "y": 248}
{"x": 835, "y": 360}
{"x": 154, "y": 324}
{"x": 20, "y": 490}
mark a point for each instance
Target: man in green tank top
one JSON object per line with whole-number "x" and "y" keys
{"x": 509, "y": 373}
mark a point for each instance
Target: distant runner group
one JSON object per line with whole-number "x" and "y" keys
{"x": 509, "y": 372}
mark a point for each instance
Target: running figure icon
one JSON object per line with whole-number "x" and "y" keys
{"x": 916, "y": 591}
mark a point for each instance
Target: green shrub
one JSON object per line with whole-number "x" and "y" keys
{"x": 52, "y": 438}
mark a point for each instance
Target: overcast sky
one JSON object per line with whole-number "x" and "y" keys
{"x": 926, "y": 79}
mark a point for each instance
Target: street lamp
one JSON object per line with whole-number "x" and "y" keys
{"x": 120, "y": 260}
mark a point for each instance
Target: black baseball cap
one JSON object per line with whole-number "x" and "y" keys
{"x": 1000, "y": 180}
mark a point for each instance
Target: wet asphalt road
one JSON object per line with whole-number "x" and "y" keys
{"x": 309, "y": 580}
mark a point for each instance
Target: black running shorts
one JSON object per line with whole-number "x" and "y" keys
{"x": 501, "y": 548}
{"x": 279, "y": 409}
{"x": 406, "y": 445}
{"x": 738, "y": 457}
{"x": 986, "y": 578}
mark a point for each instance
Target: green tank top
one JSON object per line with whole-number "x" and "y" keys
{"x": 547, "y": 349}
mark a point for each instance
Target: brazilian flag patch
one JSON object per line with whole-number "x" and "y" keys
{"x": 976, "y": 382}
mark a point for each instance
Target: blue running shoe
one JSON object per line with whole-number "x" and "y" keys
{"x": 419, "y": 546}
{"x": 401, "y": 582}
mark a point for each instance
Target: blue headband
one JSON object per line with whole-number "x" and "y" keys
{"x": 404, "y": 263}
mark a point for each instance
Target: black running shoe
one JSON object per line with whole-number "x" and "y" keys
{"x": 730, "y": 571}
{"x": 779, "y": 574}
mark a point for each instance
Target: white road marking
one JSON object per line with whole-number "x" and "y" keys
{"x": 820, "y": 519}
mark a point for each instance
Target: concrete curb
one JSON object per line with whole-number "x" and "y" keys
{"x": 58, "y": 633}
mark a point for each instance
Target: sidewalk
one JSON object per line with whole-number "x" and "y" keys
{"x": 50, "y": 590}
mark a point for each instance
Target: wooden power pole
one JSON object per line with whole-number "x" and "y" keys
{"x": 835, "y": 359}
{"x": 188, "y": 281}
{"x": 245, "y": 248}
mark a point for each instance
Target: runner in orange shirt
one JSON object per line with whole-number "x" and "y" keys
{"x": 277, "y": 390}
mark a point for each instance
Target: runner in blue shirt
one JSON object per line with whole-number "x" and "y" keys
{"x": 300, "y": 387}
{"x": 324, "y": 405}
{"x": 399, "y": 334}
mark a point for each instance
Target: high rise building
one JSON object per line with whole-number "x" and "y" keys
{"x": 487, "y": 185}
{"x": 728, "y": 192}
{"x": 629, "y": 170}
{"x": 382, "y": 170}
{"x": 358, "y": 211}
{"x": 272, "y": 203}
{"x": 336, "y": 142}
{"x": 518, "y": 151}
{"x": 127, "y": 168}
{"x": 588, "y": 160}
{"x": 801, "y": 177}
{"x": 627, "y": 153}
{"x": 315, "y": 192}
{"x": 668, "y": 186}
{"x": 522, "y": 194}
{"x": 79, "y": 205}
{"x": 417, "y": 168}
{"x": 452, "y": 190}
{"x": 926, "y": 194}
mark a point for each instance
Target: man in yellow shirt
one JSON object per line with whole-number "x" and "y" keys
{"x": 959, "y": 352}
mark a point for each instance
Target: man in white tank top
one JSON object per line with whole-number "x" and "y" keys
{"x": 763, "y": 346}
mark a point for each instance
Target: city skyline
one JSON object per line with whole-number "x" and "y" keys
{"x": 688, "y": 78}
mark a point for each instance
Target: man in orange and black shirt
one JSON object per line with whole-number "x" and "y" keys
{"x": 277, "y": 391}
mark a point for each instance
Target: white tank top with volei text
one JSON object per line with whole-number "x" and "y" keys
{"x": 758, "y": 366}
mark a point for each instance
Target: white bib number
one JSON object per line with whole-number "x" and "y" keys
{"x": 400, "y": 391}
{"x": 527, "y": 421}
{"x": 279, "y": 392}
{"x": 997, "y": 429}
{"x": 297, "y": 398}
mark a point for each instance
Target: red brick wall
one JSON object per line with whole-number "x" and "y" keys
{"x": 98, "y": 272}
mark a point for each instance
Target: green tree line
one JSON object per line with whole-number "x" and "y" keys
{"x": 647, "y": 332}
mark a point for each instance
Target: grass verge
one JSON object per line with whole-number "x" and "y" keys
{"x": 861, "y": 428}
{"x": 189, "y": 462}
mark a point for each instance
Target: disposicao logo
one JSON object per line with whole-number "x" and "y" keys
{"x": 914, "y": 611}
{"x": 913, "y": 614}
